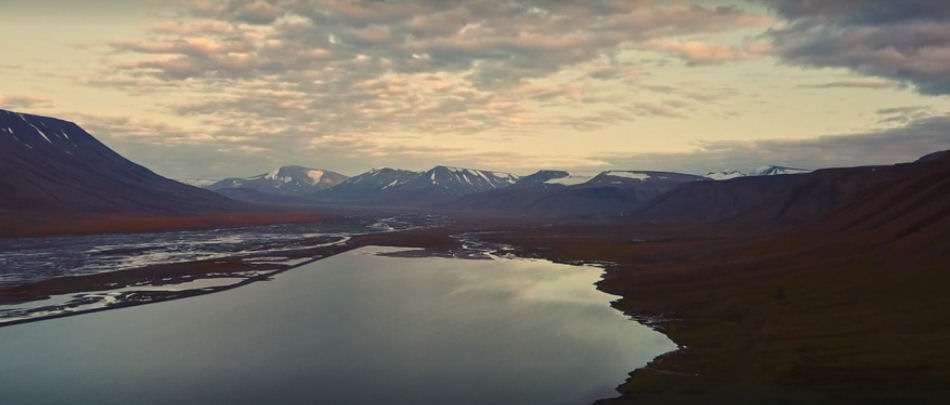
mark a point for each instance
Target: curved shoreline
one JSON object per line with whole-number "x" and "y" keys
{"x": 451, "y": 241}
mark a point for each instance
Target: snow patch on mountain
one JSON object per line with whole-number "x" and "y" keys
{"x": 628, "y": 175}
{"x": 760, "y": 171}
{"x": 572, "y": 178}
{"x": 315, "y": 176}
{"x": 725, "y": 175}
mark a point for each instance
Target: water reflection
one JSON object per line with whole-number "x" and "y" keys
{"x": 354, "y": 328}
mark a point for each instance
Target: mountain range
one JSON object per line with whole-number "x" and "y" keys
{"x": 443, "y": 184}
{"x": 611, "y": 193}
{"x": 403, "y": 187}
{"x": 49, "y": 165}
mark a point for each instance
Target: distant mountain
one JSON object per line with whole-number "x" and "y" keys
{"x": 402, "y": 187}
{"x": 367, "y": 187}
{"x": 281, "y": 185}
{"x": 607, "y": 193}
{"x": 640, "y": 178}
{"x": 454, "y": 181}
{"x": 940, "y": 156}
{"x": 762, "y": 171}
{"x": 556, "y": 177}
{"x": 49, "y": 165}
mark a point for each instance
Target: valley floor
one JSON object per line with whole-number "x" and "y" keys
{"x": 807, "y": 315}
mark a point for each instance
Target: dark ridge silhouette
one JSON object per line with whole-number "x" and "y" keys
{"x": 781, "y": 199}
{"x": 49, "y": 165}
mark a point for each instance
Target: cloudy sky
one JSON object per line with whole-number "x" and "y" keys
{"x": 202, "y": 88}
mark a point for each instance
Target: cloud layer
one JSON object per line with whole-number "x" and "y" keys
{"x": 903, "y": 40}
{"x": 11, "y": 102}
{"x": 314, "y": 68}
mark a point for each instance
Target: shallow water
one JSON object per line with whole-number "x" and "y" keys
{"x": 32, "y": 259}
{"x": 354, "y": 328}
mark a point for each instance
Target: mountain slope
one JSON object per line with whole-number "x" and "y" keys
{"x": 367, "y": 188}
{"x": 49, "y": 165}
{"x": 453, "y": 181}
{"x": 608, "y": 193}
{"x": 542, "y": 177}
{"x": 916, "y": 205}
{"x": 402, "y": 187}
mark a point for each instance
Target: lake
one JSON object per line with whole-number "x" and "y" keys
{"x": 355, "y": 328}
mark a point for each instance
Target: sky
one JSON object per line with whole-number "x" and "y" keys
{"x": 214, "y": 89}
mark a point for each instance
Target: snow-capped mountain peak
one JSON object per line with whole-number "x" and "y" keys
{"x": 376, "y": 179}
{"x": 287, "y": 180}
{"x": 478, "y": 180}
{"x": 725, "y": 174}
{"x": 402, "y": 186}
{"x": 760, "y": 171}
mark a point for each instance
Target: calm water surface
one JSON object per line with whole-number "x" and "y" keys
{"x": 355, "y": 328}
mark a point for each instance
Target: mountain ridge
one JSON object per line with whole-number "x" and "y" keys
{"x": 772, "y": 170}
{"x": 284, "y": 184}
{"x": 404, "y": 187}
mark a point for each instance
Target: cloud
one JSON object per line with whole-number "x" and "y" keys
{"x": 179, "y": 152}
{"x": 699, "y": 52}
{"x": 395, "y": 151}
{"x": 316, "y": 68}
{"x": 528, "y": 37}
{"x": 137, "y": 130}
{"x": 258, "y": 12}
{"x": 666, "y": 109}
{"x": 22, "y": 102}
{"x": 249, "y": 11}
{"x": 908, "y": 41}
{"x": 904, "y": 115}
{"x": 864, "y": 83}
{"x": 901, "y": 144}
